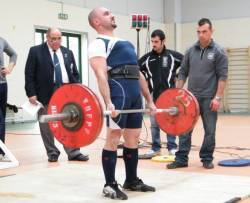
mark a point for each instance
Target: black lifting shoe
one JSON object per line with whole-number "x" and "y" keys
{"x": 138, "y": 185}
{"x": 112, "y": 191}
{"x": 175, "y": 165}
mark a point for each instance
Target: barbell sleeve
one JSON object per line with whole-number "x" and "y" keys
{"x": 54, "y": 117}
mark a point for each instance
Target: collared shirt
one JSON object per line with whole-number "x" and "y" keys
{"x": 65, "y": 77}
{"x": 204, "y": 67}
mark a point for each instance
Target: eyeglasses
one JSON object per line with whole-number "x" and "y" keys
{"x": 54, "y": 39}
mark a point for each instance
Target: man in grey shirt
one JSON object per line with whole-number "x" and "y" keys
{"x": 206, "y": 65}
{"x": 4, "y": 48}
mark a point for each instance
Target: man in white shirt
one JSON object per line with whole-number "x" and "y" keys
{"x": 114, "y": 62}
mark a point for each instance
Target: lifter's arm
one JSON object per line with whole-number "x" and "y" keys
{"x": 99, "y": 66}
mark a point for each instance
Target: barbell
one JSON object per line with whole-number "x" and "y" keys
{"x": 75, "y": 114}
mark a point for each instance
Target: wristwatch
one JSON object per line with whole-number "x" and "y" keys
{"x": 217, "y": 98}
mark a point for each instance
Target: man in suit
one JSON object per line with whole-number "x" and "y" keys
{"x": 49, "y": 66}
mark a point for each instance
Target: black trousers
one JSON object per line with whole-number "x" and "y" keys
{"x": 3, "y": 103}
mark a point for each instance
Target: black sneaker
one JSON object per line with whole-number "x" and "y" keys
{"x": 138, "y": 185}
{"x": 175, "y": 165}
{"x": 112, "y": 191}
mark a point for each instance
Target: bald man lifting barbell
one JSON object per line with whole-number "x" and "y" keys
{"x": 114, "y": 62}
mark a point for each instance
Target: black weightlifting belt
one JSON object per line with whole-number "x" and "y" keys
{"x": 125, "y": 72}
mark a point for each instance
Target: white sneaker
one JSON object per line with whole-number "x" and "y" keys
{"x": 149, "y": 154}
{"x": 114, "y": 192}
{"x": 172, "y": 152}
{"x": 4, "y": 158}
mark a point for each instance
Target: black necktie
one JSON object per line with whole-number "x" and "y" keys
{"x": 58, "y": 72}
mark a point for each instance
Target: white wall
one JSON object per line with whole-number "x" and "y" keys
{"x": 233, "y": 33}
{"x": 171, "y": 11}
{"x": 191, "y": 10}
{"x": 19, "y": 18}
{"x": 124, "y": 7}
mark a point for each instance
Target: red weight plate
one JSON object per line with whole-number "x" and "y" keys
{"x": 188, "y": 111}
{"x": 92, "y": 115}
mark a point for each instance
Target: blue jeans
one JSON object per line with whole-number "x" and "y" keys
{"x": 209, "y": 120}
{"x": 156, "y": 141}
{"x": 3, "y": 102}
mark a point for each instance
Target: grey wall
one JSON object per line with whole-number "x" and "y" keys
{"x": 172, "y": 11}
{"x": 192, "y": 10}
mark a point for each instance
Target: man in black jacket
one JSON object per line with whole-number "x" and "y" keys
{"x": 49, "y": 66}
{"x": 159, "y": 67}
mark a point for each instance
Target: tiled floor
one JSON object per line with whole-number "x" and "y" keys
{"x": 33, "y": 180}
